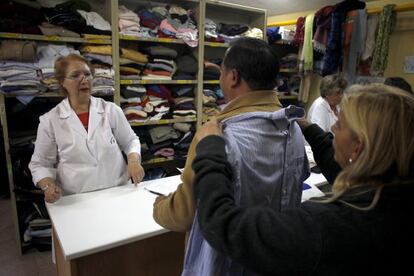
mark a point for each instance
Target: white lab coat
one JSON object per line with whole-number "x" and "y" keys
{"x": 80, "y": 160}
{"x": 320, "y": 113}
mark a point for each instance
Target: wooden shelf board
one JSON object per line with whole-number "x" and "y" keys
{"x": 216, "y": 44}
{"x": 54, "y": 38}
{"x": 151, "y": 39}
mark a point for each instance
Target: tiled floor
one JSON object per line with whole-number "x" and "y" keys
{"x": 11, "y": 262}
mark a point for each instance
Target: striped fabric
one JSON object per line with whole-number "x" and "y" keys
{"x": 266, "y": 147}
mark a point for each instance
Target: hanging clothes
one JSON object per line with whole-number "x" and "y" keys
{"x": 366, "y": 56}
{"x": 300, "y": 31}
{"x": 386, "y": 26}
{"x": 354, "y": 43}
{"x": 322, "y": 22}
{"x": 371, "y": 30}
{"x": 305, "y": 85}
{"x": 333, "y": 56}
{"x": 307, "y": 54}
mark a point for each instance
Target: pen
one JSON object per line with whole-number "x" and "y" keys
{"x": 132, "y": 181}
{"x": 155, "y": 193}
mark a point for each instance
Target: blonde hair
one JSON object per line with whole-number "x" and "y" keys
{"x": 382, "y": 118}
{"x": 61, "y": 66}
{"x": 332, "y": 83}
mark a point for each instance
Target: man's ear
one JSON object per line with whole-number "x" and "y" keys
{"x": 235, "y": 78}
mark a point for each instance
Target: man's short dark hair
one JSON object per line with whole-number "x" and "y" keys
{"x": 255, "y": 62}
{"x": 399, "y": 83}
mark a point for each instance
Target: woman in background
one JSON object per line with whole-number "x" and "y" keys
{"x": 324, "y": 110}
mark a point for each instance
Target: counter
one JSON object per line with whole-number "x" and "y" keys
{"x": 108, "y": 231}
{"x": 112, "y": 231}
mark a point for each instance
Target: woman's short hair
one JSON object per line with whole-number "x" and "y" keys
{"x": 331, "y": 84}
{"x": 381, "y": 117}
{"x": 399, "y": 82}
{"x": 61, "y": 66}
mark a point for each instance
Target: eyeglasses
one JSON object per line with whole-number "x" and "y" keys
{"x": 80, "y": 76}
{"x": 336, "y": 92}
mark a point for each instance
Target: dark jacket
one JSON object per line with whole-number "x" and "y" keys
{"x": 313, "y": 239}
{"x": 323, "y": 151}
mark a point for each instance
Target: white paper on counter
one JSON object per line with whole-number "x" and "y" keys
{"x": 162, "y": 188}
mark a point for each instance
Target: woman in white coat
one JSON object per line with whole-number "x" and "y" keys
{"x": 324, "y": 110}
{"x": 79, "y": 142}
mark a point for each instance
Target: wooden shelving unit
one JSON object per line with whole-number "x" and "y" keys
{"x": 108, "y": 9}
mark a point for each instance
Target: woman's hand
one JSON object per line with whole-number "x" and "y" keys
{"x": 303, "y": 123}
{"x": 212, "y": 127}
{"x": 135, "y": 171}
{"x": 52, "y": 192}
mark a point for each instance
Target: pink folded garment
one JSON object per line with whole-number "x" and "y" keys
{"x": 165, "y": 152}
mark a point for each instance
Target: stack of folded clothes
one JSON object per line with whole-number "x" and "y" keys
{"x": 156, "y": 101}
{"x": 213, "y": 99}
{"x": 132, "y": 63}
{"x": 187, "y": 67}
{"x": 225, "y": 33}
{"x": 61, "y": 18}
{"x": 166, "y": 141}
{"x": 161, "y": 65}
{"x": 100, "y": 57}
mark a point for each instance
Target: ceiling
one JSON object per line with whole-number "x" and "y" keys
{"x": 278, "y": 7}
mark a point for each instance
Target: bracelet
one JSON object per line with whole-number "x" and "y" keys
{"x": 45, "y": 187}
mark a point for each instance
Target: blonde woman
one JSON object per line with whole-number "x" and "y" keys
{"x": 363, "y": 228}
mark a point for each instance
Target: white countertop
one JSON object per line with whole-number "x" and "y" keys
{"x": 313, "y": 181}
{"x": 316, "y": 179}
{"x": 88, "y": 223}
